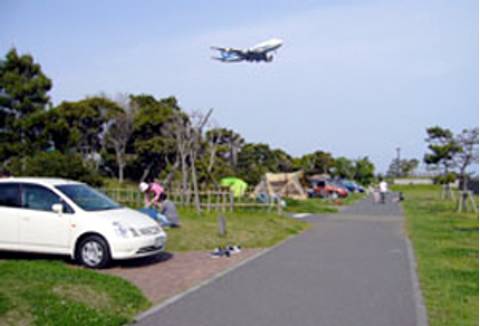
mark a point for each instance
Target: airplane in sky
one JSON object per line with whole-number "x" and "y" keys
{"x": 257, "y": 53}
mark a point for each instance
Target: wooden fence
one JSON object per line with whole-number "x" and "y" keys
{"x": 220, "y": 200}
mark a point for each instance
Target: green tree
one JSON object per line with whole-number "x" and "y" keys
{"x": 402, "y": 168}
{"x": 78, "y": 127}
{"x": 468, "y": 141}
{"x": 152, "y": 141}
{"x": 441, "y": 156}
{"x": 56, "y": 164}
{"x": 283, "y": 161}
{"x": 344, "y": 168}
{"x": 228, "y": 141}
{"x": 254, "y": 160}
{"x": 364, "y": 171}
{"x": 23, "y": 95}
{"x": 318, "y": 162}
{"x": 119, "y": 132}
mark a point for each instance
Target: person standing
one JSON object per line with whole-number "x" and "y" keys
{"x": 383, "y": 185}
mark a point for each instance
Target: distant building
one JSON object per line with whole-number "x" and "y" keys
{"x": 413, "y": 181}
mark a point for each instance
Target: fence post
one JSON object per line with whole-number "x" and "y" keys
{"x": 279, "y": 207}
{"x": 222, "y": 225}
{"x": 208, "y": 200}
{"x": 232, "y": 201}
{"x": 224, "y": 201}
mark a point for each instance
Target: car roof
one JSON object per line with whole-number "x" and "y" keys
{"x": 39, "y": 180}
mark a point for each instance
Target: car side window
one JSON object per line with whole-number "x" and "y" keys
{"x": 10, "y": 195}
{"x": 40, "y": 198}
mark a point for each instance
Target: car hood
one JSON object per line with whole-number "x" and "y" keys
{"x": 126, "y": 216}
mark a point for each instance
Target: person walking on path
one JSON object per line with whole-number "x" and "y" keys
{"x": 383, "y": 185}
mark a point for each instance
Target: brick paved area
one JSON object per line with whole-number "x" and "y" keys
{"x": 163, "y": 276}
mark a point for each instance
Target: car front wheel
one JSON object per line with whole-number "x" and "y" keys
{"x": 93, "y": 252}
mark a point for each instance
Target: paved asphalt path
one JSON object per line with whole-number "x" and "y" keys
{"x": 351, "y": 268}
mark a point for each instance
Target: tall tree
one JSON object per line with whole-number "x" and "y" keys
{"x": 364, "y": 171}
{"x": 119, "y": 131}
{"x": 344, "y": 168}
{"x": 318, "y": 162}
{"x": 23, "y": 93}
{"x": 282, "y": 160}
{"x": 467, "y": 140}
{"x": 199, "y": 120}
{"x": 402, "y": 167}
{"x": 179, "y": 129}
{"x": 152, "y": 143}
{"x": 254, "y": 160}
{"x": 230, "y": 140}
{"x": 79, "y": 127}
{"x": 443, "y": 148}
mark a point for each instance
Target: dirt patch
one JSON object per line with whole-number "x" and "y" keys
{"x": 84, "y": 294}
{"x": 166, "y": 275}
{"x": 18, "y": 315}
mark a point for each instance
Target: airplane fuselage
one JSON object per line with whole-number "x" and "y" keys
{"x": 257, "y": 53}
{"x": 267, "y": 46}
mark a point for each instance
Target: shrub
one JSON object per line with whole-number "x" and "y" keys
{"x": 55, "y": 164}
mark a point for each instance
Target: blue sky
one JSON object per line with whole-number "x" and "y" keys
{"x": 353, "y": 78}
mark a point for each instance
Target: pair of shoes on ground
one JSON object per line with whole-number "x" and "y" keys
{"x": 225, "y": 252}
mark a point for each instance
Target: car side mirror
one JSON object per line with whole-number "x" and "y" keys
{"x": 57, "y": 208}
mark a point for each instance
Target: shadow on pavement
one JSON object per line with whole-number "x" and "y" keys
{"x": 130, "y": 263}
{"x": 11, "y": 255}
{"x": 144, "y": 261}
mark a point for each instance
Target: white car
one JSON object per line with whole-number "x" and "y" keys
{"x": 58, "y": 216}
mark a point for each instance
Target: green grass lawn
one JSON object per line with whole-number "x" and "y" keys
{"x": 248, "y": 228}
{"x": 50, "y": 292}
{"x": 446, "y": 247}
{"x": 321, "y": 205}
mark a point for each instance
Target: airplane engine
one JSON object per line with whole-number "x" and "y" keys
{"x": 269, "y": 57}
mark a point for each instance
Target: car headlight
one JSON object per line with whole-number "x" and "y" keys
{"x": 123, "y": 231}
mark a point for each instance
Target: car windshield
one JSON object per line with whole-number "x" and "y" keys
{"x": 87, "y": 198}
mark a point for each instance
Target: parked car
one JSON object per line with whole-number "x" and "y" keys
{"x": 352, "y": 186}
{"x": 324, "y": 188}
{"x": 57, "y": 216}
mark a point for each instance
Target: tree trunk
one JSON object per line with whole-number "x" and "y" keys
{"x": 120, "y": 163}
{"x": 195, "y": 183}
{"x": 146, "y": 171}
{"x": 184, "y": 178}
{"x": 168, "y": 179}
{"x": 120, "y": 173}
{"x": 462, "y": 200}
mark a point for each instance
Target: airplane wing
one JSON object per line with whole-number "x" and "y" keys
{"x": 236, "y": 59}
{"x": 228, "y": 50}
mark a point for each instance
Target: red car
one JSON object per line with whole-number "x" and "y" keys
{"x": 327, "y": 189}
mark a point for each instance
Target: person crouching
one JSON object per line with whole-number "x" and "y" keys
{"x": 169, "y": 210}
{"x": 152, "y": 204}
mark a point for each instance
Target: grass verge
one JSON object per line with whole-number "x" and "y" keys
{"x": 321, "y": 205}
{"x": 250, "y": 229}
{"x": 446, "y": 247}
{"x": 44, "y": 292}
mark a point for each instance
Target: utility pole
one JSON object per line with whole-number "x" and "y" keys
{"x": 398, "y": 161}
